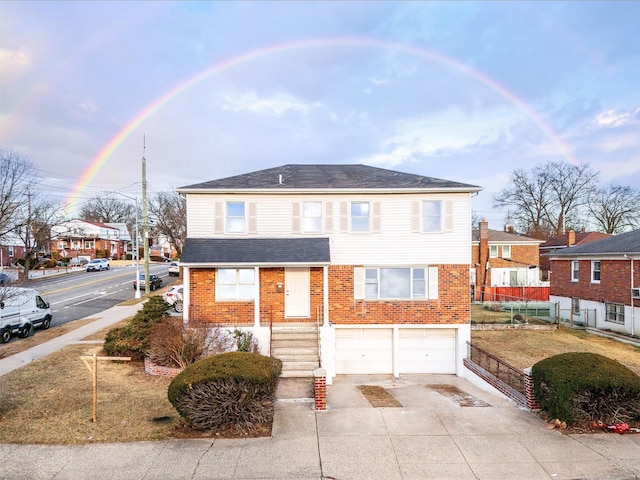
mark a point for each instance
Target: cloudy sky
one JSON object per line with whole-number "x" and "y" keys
{"x": 464, "y": 91}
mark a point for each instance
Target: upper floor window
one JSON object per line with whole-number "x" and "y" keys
{"x": 235, "y": 284}
{"x": 493, "y": 251}
{"x": 615, "y": 313}
{"x": 235, "y": 220}
{"x": 432, "y": 216}
{"x": 575, "y": 270}
{"x": 88, "y": 245}
{"x": 506, "y": 251}
{"x": 360, "y": 216}
{"x": 312, "y": 217}
{"x": 595, "y": 271}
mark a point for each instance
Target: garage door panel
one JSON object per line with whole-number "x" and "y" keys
{"x": 361, "y": 350}
{"x": 424, "y": 350}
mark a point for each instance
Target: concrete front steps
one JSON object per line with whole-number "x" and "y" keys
{"x": 297, "y": 346}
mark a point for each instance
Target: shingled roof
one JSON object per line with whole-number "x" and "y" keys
{"x": 625, "y": 243}
{"x": 255, "y": 251}
{"x": 503, "y": 237}
{"x": 323, "y": 177}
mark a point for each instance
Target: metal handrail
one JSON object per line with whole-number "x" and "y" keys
{"x": 498, "y": 367}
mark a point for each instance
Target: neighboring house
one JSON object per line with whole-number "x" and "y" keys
{"x": 77, "y": 238}
{"x": 11, "y": 249}
{"x": 598, "y": 283}
{"x": 569, "y": 239}
{"x": 374, "y": 262}
{"x": 502, "y": 259}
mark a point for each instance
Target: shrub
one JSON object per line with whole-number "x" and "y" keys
{"x": 171, "y": 344}
{"x": 233, "y": 390}
{"x": 133, "y": 339}
{"x": 245, "y": 341}
{"x": 518, "y": 317}
{"x": 581, "y": 386}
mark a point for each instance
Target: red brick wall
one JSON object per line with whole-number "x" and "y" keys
{"x": 452, "y": 306}
{"x": 204, "y": 308}
{"x": 521, "y": 257}
{"x": 614, "y": 283}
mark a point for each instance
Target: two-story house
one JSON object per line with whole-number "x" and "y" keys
{"x": 502, "y": 259}
{"x": 375, "y": 261}
{"x": 559, "y": 242}
{"x": 77, "y": 238}
{"x": 598, "y": 283}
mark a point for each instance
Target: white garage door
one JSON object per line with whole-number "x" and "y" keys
{"x": 363, "y": 350}
{"x": 427, "y": 350}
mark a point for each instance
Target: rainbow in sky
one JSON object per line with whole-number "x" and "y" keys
{"x": 98, "y": 162}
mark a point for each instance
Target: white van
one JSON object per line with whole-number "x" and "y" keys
{"x": 21, "y": 309}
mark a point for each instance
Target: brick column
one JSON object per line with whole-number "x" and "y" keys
{"x": 532, "y": 401}
{"x": 320, "y": 388}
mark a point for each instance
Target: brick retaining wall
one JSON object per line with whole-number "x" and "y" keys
{"x": 154, "y": 369}
{"x": 512, "y": 326}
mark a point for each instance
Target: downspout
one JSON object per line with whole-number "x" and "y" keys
{"x": 633, "y": 309}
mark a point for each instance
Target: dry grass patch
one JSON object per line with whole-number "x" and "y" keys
{"x": 50, "y": 401}
{"x": 524, "y": 348}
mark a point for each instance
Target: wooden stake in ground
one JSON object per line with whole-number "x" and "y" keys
{"x": 93, "y": 368}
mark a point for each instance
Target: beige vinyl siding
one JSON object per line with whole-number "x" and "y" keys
{"x": 393, "y": 239}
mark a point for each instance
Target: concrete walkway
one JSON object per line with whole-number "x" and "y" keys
{"x": 432, "y": 435}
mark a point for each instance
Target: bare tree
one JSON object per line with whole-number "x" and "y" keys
{"x": 615, "y": 208}
{"x": 107, "y": 209}
{"x": 16, "y": 181}
{"x": 549, "y": 198}
{"x": 168, "y": 212}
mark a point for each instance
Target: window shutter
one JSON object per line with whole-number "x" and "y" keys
{"x": 252, "y": 218}
{"x": 344, "y": 217}
{"x": 328, "y": 217}
{"x": 448, "y": 216}
{"x": 358, "y": 283}
{"x": 218, "y": 218}
{"x": 376, "y": 217}
{"x": 295, "y": 221}
{"x": 433, "y": 283}
{"x": 415, "y": 217}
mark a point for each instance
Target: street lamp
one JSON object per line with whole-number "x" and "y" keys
{"x": 137, "y": 246}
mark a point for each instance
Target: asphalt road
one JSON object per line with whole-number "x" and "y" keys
{"x": 82, "y": 294}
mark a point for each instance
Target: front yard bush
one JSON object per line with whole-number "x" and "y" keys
{"x": 579, "y": 386}
{"x": 133, "y": 339}
{"x": 231, "y": 391}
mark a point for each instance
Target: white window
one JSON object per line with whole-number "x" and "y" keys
{"x": 615, "y": 313}
{"x": 575, "y": 305}
{"x": 312, "y": 217}
{"x": 235, "y": 284}
{"x": 61, "y": 245}
{"x": 359, "y": 216}
{"x": 235, "y": 217}
{"x": 88, "y": 245}
{"x": 432, "y": 216}
{"x": 10, "y": 250}
{"x": 506, "y": 251}
{"x": 595, "y": 271}
{"x": 395, "y": 283}
{"x": 493, "y": 251}
{"x": 575, "y": 270}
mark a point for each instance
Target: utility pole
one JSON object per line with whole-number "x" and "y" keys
{"x": 145, "y": 220}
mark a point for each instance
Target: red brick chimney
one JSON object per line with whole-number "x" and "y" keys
{"x": 571, "y": 238}
{"x": 481, "y": 273}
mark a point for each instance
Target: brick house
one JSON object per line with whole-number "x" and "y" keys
{"x": 373, "y": 262}
{"x": 569, "y": 239}
{"x": 78, "y": 238}
{"x": 11, "y": 249}
{"x": 597, "y": 283}
{"x": 502, "y": 259}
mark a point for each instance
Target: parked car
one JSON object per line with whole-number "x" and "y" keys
{"x": 4, "y": 279}
{"x": 78, "y": 261}
{"x": 22, "y": 310}
{"x": 173, "y": 297}
{"x": 174, "y": 268}
{"x": 154, "y": 282}
{"x": 98, "y": 264}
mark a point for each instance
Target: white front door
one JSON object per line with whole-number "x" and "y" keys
{"x": 296, "y": 292}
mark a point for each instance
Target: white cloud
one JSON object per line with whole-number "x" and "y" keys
{"x": 13, "y": 58}
{"x": 88, "y": 107}
{"x": 275, "y": 105}
{"x": 611, "y": 118}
